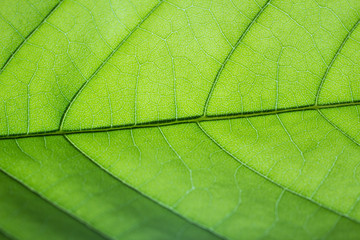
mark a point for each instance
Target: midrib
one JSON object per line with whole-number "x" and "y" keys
{"x": 190, "y": 119}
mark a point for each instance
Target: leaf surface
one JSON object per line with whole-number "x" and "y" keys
{"x": 180, "y": 119}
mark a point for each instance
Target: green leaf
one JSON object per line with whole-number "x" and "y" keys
{"x": 223, "y": 119}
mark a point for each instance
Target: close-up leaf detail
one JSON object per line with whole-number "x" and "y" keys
{"x": 180, "y": 119}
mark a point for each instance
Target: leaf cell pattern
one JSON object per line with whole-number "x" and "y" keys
{"x": 222, "y": 119}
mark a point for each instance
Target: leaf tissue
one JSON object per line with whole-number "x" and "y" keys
{"x": 180, "y": 119}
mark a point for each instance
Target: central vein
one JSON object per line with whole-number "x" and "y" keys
{"x": 190, "y": 119}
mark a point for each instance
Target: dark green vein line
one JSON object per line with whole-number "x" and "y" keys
{"x": 29, "y": 35}
{"x": 230, "y": 54}
{"x": 273, "y": 182}
{"x": 63, "y": 210}
{"x": 104, "y": 62}
{"x": 333, "y": 60}
{"x": 190, "y": 119}
{"x": 6, "y": 235}
{"x": 142, "y": 194}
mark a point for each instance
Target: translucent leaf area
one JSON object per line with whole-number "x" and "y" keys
{"x": 180, "y": 119}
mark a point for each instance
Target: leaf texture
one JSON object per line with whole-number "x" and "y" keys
{"x": 223, "y": 119}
